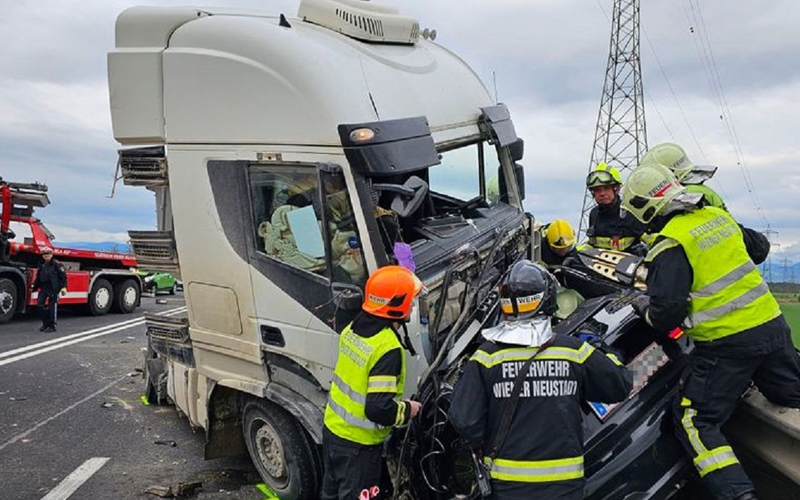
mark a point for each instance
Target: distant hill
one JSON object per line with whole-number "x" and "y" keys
{"x": 103, "y": 246}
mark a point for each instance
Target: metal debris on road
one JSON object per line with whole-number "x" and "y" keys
{"x": 161, "y": 301}
{"x": 167, "y": 442}
{"x": 175, "y": 490}
{"x": 106, "y": 405}
{"x": 17, "y": 398}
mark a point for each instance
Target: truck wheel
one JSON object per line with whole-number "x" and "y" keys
{"x": 173, "y": 289}
{"x": 101, "y": 297}
{"x": 8, "y": 300}
{"x": 280, "y": 450}
{"x": 126, "y": 296}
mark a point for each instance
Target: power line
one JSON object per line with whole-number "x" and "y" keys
{"x": 712, "y": 72}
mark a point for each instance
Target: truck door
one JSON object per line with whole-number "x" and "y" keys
{"x": 307, "y": 254}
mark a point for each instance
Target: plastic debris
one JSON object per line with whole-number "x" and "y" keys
{"x": 106, "y": 405}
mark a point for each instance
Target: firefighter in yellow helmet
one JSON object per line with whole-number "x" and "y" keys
{"x": 702, "y": 275}
{"x": 537, "y": 451}
{"x": 558, "y": 242}
{"x": 365, "y": 400}
{"x": 674, "y": 158}
{"x": 608, "y": 228}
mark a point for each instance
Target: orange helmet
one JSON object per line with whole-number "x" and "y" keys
{"x": 390, "y": 291}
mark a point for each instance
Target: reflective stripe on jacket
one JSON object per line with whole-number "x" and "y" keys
{"x": 728, "y": 294}
{"x": 345, "y": 413}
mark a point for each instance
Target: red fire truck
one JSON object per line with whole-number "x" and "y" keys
{"x": 98, "y": 281}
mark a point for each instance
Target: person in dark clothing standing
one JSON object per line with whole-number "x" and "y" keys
{"x": 51, "y": 279}
{"x": 702, "y": 275}
{"x": 364, "y": 402}
{"x": 541, "y": 454}
{"x": 608, "y": 228}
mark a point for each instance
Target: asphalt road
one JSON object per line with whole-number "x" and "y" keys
{"x": 71, "y": 414}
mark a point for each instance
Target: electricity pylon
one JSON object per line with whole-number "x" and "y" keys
{"x": 620, "y": 137}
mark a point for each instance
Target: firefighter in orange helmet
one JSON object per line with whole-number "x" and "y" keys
{"x": 365, "y": 400}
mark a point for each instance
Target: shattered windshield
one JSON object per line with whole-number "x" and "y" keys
{"x": 459, "y": 174}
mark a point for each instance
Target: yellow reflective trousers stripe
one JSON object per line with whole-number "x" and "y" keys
{"x": 536, "y": 471}
{"x": 705, "y": 460}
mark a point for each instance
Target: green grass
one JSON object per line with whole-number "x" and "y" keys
{"x": 792, "y": 313}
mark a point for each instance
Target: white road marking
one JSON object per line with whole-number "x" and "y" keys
{"x": 22, "y": 435}
{"x": 67, "y": 487}
{"x": 51, "y": 345}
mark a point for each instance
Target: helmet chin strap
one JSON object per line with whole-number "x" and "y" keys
{"x": 406, "y": 340}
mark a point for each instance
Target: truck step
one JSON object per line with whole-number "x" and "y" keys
{"x": 155, "y": 250}
{"x": 143, "y": 166}
{"x": 169, "y": 328}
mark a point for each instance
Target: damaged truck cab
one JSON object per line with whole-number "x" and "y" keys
{"x": 289, "y": 158}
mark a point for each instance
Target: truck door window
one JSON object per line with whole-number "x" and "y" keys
{"x": 458, "y": 175}
{"x": 286, "y": 209}
{"x": 347, "y": 257}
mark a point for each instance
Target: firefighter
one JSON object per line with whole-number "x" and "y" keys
{"x": 558, "y": 242}
{"x": 608, "y": 228}
{"x": 51, "y": 279}
{"x": 702, "y": 274}
{"x": 541, "y": 453}
{"x": 365, "y": 402}
{"x": 674, "y": 158}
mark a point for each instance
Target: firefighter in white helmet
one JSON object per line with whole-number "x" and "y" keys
{"x": 675, "y": 158}
{"x": 702, "y": 275}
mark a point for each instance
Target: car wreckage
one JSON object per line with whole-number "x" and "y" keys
{"x": 630, "y": 449}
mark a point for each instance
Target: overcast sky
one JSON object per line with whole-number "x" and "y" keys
{"x": 549, "y": 57}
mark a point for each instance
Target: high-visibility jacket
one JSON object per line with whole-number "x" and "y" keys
{"x": 728, "y": 294}
{"x": 542, "y": 454}
{"x": 608, "y": 230}
{"x": 345, "y": 413}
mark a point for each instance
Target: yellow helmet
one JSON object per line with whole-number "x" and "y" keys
{"x": 560, "y": 234}
{"x": 603, "y": 175}
{"x": 649, "y": 190}
{"x": 671, "y": 156}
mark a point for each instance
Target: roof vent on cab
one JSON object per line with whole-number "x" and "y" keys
{"x": 361, "y": 19}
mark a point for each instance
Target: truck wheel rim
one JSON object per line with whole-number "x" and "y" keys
{"x": 270, "y": 451}
{"x": 102, "y": 298}
{"x": 129, "y": 297}
{"x": 6, "y": 302}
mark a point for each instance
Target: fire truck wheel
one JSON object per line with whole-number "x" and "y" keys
{"x": 281, "y": 451}
{"x": 101, "y": 297}
{"x": 8, "y": 300}
{"x": 126, "y": 296}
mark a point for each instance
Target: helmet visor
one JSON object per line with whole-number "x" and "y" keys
{"x": 600, "y": 178}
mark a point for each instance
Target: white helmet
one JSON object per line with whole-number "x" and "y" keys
{"x": 648, "y": 191}
{"x": 671, "y": 156}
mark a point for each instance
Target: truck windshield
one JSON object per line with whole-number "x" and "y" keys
{"x": 458, "y": 176}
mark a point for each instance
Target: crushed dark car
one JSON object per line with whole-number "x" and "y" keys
{"x": 631, "y": 452}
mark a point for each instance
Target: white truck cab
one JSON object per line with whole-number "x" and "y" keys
{"x": 290, "y": 157}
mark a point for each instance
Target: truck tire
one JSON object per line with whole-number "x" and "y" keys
{"x": 101, "y": 298}
{"x": 281, "y": 451}
{"x": 126, "y": 296}
{"x": 173, "y": 289}
{"x": 8, "y": 300}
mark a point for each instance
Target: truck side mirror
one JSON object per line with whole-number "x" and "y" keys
{"x": 347, "y": 297}
{"x": 516, "y": 149}
{"x": 519, "y": 174}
